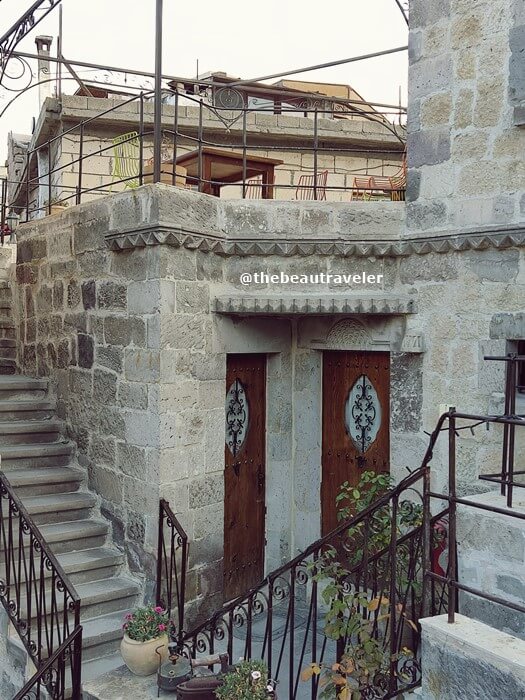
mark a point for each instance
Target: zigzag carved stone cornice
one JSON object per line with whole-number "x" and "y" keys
{"x": 178, "y": 237}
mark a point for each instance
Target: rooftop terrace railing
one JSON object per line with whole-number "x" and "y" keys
{"x": 206, "y": 148}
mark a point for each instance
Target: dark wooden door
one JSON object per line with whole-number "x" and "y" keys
{"x": 356, "y": 423}
{"x": 244, "y": 475}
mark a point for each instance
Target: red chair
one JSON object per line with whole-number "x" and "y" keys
{"x": 307, "y": 186}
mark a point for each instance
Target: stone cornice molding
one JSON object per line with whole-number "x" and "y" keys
{"x": 313, "y": 304}
{"x": 221, "y": 244}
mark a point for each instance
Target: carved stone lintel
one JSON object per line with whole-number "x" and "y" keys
{"x": 314, "y": 305}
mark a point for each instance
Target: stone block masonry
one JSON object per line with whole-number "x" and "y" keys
{"x": 470, "y": 660}
{"x": 118, "y": 302}
{"x": 466, "y": 95}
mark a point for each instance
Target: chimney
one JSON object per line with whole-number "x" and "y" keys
{"x": 43, "y": 47}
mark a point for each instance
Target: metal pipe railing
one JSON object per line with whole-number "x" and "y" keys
{"x": 181, "y": 135}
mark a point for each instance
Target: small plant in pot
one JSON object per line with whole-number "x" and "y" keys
{"x": 145, "y": 642}
{"x": 247, "y": 681}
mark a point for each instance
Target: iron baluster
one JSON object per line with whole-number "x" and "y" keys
{"x": 244, "y": 143}
{"x": 80, "y": 162}
{"x": 169, "y": 581}
{"x": 452, "y": 514}
{"x": 141, "y": 138}
{"x": 157, "y": 126}
{"x": 199, "y": 171}
{"x": 175, "y": 136}
{"x": 316, "y": 146}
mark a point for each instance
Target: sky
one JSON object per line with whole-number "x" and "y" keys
{"x": 244, "y": 39}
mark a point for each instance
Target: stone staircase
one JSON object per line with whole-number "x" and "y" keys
{"x": 41, "y": 466}
{"x": 7, "y": 330}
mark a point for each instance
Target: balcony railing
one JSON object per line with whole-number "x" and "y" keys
{"x": 294, "y": 152}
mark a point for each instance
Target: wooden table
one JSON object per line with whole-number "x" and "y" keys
{"x": 219, "y": 168}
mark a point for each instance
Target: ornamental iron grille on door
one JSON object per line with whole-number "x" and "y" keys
{"x": 237, "y": 417}
{"x": 363, "y": 414}
{"x": 244, "y": 473}
{"x": 356, "y": 423}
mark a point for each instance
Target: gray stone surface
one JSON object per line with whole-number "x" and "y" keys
{"x": 471, "y": 661}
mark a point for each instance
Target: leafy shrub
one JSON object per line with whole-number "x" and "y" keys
{"x": 249, "y": 681}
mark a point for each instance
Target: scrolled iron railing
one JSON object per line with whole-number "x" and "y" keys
{"x": 311, "y": 613}
{"x": 40, "y": 601}
{"x": 172, "y": 564}
{"x": 60, "y": 675}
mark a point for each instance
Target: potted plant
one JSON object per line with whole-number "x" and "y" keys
{"x": 145, "y": 642}
{"x": 247, "y": 681}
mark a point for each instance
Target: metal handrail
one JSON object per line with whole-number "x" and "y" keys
{"x": 295, "y": 588}
{"x": 53, "y": 673}
{"x": 40, "y": 600}
{"x": 172, "y": 565}
{"x": 448, "y": 423}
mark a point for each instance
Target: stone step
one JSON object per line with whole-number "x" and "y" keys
{"x": 60, "y": 507}
{"x": 26, "y": 410}
{"x": 53, "y": 454}
{"x": 7, "y": 366}
{"x": 7, "y": 352}
{"x": 49, "y": 480}
{"x": 102, "y": 635}
{"x": 84, "y": 566}
{"x": 72, "y": 536}
{"x": 98, "y": 667}
{"x": 7, "y": 332}
{"x": 18, "y": 387}
{"x": 98, "y": 597}
{"x": 29, "y": 432}
{"x": 91, "y": 564}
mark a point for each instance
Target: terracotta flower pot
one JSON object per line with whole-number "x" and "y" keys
{"x": 142, "y": 658}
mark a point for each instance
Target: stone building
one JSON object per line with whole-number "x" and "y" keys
{"x": 145, "y": 309}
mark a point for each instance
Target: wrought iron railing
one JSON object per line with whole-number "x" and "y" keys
{"x": 59, "y": 677}
{"x": 315, "y": 131}
{"x": 41, "y": 603}
{"x": 172, "y": 564}
{"x": 452, "y": 423}
{"x": 366, "y": 577}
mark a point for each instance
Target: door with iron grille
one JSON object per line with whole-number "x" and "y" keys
{"x": 244, "y": 475}
{"x": 356, "y": 423}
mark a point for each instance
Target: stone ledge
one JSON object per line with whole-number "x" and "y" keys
{"x": 314, "y": 305}
{"x": 470, "y": 660}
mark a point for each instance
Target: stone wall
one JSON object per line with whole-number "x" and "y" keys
{"x": 491, "y": 559}
{"x": 466, "y": 165}
{"x": 131, "y": 305}
{"x": 470, "y": 660}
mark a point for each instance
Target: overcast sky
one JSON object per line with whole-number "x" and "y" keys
{"x": 244, "y": 38}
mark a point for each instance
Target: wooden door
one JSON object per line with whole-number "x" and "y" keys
{"x": 356, "y": 423}
{"x": 244, "y": 475}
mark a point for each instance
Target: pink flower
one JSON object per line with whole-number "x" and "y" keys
{"x": 124, "y": 627}
{"x": 162, "y": 627}
{"x": 158, "y": 609}
{"x": 129, "y": 616}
